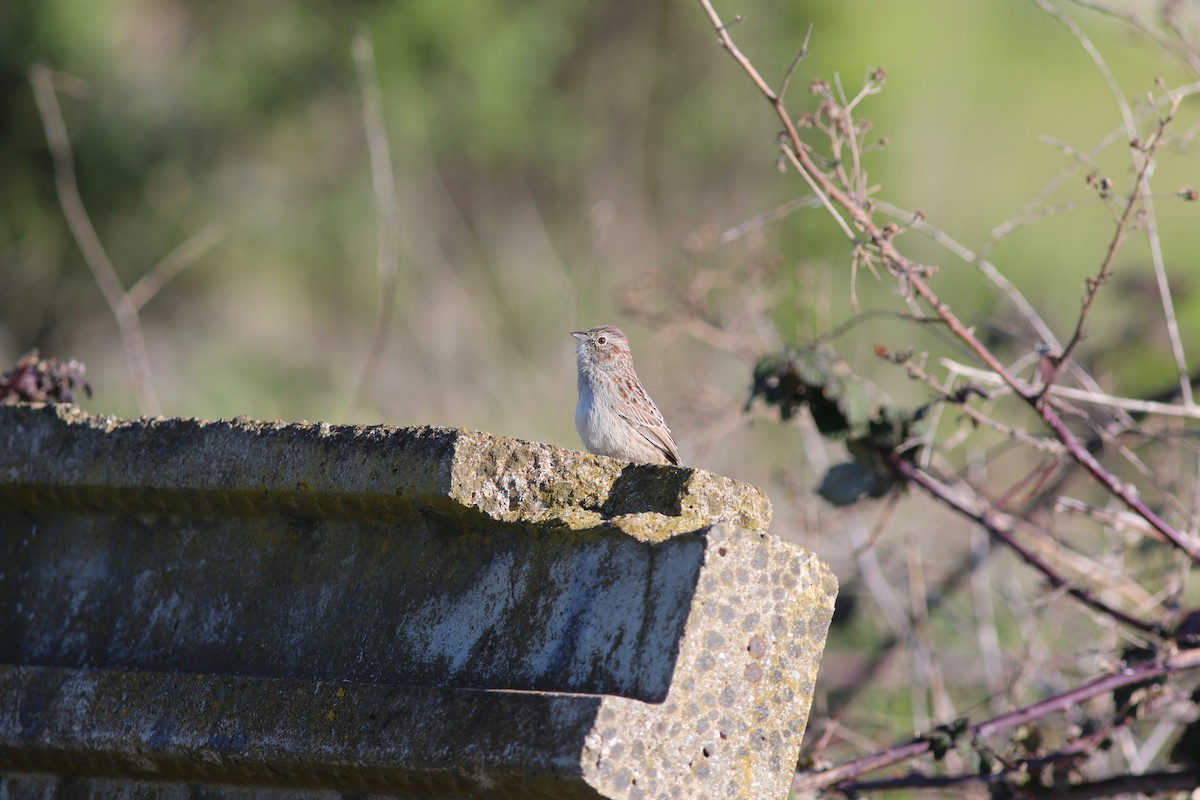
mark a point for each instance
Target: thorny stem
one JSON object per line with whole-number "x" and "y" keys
{"x": 1126, "y": 675}
{"x": 1094, "y": 283}
{"x": 997, "y": 527}
{"x": 1019, "y": 767}
{"x": 910, "y": 274}
{"x": 1043, "y": 444}
{"x": 801, "y": 158}
{"x": 1127, "y": 494}
{"x": 1146, "y": 783}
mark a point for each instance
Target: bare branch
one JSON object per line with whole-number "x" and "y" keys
{"x": 726, "y": 41}
{"x": 1085, "y": 396}
{"x": 1131, "y": 17}
{"x": 1125, "y": 675}
{"x": 1095, "y": 282}
{"x": 1148, "y": 783}
{"x": 997, "y": 525}
{"x": 800, "y": 56}
{"x": 754, "y": 223}
{"x": 1101, "y": 65}
{"x": 174, "y": 263}
{"x": 989, "y": 270}
{"x": 911, "y": 276}
{"x": 387, "y": 235}
{"x": 818, "y": 191}
{"x": 122, "y": 306}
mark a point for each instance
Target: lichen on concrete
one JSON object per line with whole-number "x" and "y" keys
{"x": 240, "y": 467}
{"x": 400, "y": 611}
{"x": 732, "y": 723}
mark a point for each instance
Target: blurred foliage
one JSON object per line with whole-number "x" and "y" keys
{"x": 844, "y": 408}
{"x": 560, "y": 165}
{"x": 34, "y": 379}
{"x": 546, "y": 155}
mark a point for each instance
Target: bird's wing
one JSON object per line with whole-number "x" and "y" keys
{"x": 662, "y": 439}
{"x": 648, "y": 421}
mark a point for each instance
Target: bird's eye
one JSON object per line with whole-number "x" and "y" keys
{"x": 601, "y": 340}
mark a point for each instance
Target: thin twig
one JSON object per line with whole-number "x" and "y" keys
{"x": 754, "y": 223}
{"x": 1144, "y": 784}
{"x": 931, "y": 679}
{"x": 1042, "y": 213}
{"x": 1135, "y": 21}
{"x": 988, "y": 269}
{"x": 873, "y": 663}
{"x": 122, "y": 306}
{"x": 1147, "y": 784}
{"x": 1006, "y": 287}
{"x": 1039, "y": 443}
{"x": 911, "y": 276}
{"x": 987, "y": 632}
{"x": 1081, "y": 395}
{"x": 1125, "y": 675}
{"x": 800, "y": 56}
{"x": 1101, "y": 65}
{"x": 1084, "y": 396}
{"x": 174, "y": 263}
{"x": 996, "y": 525}
{"x": 1108, "y": 517}
{"x": 1128, "y": 494}
{"x": 726, "y": 41}
{"x": 1080, "y": 160}
{"x": 1164, "y": 294}
{"x": 1094, "y": 283}
{"x": 384, "y": 184}
{"x": 817, "y": 190}
{"x": 1182, "y": 32}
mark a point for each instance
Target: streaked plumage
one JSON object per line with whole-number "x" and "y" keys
{"x": 615, "y": 415}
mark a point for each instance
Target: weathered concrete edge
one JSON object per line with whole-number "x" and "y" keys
{"x": 736, "y": 712}
{"x": 55, "y": 457}
{"x": 286, "y": 733}
{"x": 730, "y": 726}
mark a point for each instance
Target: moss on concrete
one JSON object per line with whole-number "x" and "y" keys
{"x": 60, "y": 457}
{"x": 409, "y": 612}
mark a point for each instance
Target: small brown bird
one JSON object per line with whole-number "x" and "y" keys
{"x": 615, "y": 416}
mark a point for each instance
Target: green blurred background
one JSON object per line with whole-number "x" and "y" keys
{"x": 560, "y": 165}
{"x": 553, "y": 161}
{"x": 556, "y": 165}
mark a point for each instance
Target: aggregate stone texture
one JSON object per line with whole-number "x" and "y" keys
{"x": 249, "y": 609}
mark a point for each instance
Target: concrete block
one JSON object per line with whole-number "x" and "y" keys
{"x": 270, "y": 610}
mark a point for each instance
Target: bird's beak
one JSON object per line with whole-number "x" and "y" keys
{"x": 579, "y": 334}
